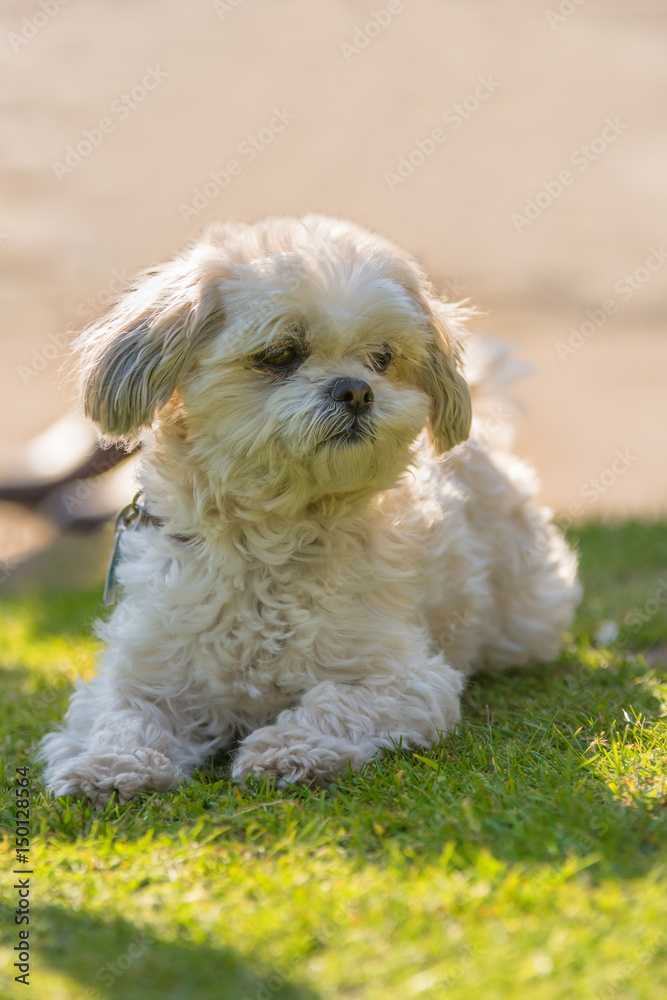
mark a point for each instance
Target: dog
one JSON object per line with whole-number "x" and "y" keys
{"x": 324, "y": 551}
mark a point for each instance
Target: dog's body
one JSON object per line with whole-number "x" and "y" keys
{"x": 328, "y": 571}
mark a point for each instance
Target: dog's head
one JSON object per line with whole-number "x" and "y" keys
{"x": 298, "y": 359}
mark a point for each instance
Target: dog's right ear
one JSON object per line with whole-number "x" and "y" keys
{"x": 130, "y": 361}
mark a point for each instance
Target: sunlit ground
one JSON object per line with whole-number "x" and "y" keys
{"x": 524, "y": 858}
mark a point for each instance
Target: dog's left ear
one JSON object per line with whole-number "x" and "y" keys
{"x": 440, "y": 375}
{"x": 451, "y": 408}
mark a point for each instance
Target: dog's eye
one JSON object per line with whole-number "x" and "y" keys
{"x": 282, "y": 359}
{"x": 380, "y": 361}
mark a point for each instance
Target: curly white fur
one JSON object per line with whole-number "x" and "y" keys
{"x": 343, "y": 570}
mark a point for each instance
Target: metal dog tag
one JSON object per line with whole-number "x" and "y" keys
{"x": 130, "y": 517}
{"x": 110, "y": 592}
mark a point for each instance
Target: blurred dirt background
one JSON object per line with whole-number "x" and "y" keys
{"x": 116, "y": 113}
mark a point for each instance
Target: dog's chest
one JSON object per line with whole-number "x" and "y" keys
{"x": 274, "y": 625}
{"x": 284, "y": 628}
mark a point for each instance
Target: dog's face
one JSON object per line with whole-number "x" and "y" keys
{"x": 297, "y": 359}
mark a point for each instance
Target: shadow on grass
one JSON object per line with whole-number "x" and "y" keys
{"x": 122, "y": 962}
{"x": 513, "y": 782}
{"x": 517, "y": 778}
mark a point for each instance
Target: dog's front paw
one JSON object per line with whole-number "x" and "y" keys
{"x": 123, "y": 774}
{"x": 292, "y": 756}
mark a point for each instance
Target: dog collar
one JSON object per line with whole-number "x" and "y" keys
{"x": 133, "y": 516}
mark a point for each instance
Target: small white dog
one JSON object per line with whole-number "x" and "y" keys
{"x": 321, "y": 558}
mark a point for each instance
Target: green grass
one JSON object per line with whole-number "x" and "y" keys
{"x": 523, "y": 858}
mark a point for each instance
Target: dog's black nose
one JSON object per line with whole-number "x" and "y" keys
{"x": 354, "y": 392}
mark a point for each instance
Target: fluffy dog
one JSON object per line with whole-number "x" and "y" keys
{"x": 330, "y": 550}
